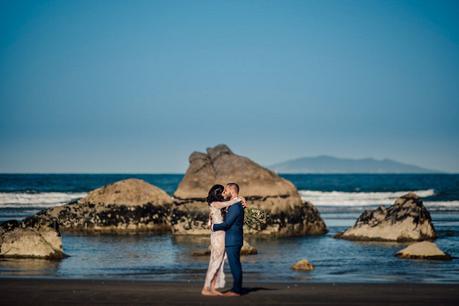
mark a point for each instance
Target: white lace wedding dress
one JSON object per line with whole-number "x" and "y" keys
{"x": 217, "y": 246}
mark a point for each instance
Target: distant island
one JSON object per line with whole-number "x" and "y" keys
{"x": 330, "y": 164}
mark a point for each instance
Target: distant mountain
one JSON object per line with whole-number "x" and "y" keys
{"x": 330, "y": 164}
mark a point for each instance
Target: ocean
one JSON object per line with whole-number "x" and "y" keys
{"x": 339, "y": 198}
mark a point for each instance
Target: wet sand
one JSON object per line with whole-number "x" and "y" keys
{"x": 16, "y": 291}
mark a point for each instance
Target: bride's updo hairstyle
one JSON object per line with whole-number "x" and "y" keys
{"x": 215, "y": 194}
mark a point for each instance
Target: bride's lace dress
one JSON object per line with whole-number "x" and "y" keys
{"x": 217, "y": 246}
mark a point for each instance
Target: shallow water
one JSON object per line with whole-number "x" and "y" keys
{"x": 168, "y": 258}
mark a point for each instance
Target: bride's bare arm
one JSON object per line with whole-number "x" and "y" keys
{"x": 225, "y": 203}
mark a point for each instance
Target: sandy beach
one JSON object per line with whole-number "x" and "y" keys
{"x": 118, "y": 292}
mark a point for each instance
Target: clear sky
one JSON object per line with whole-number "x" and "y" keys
{"x": 136, "y": 86}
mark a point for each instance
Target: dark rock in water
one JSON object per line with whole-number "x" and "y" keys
{"x": 423, "y": 250}
{"x": 287, "y": 214}
{"x": 248, "y": 249}
{"x": 303, "y": 265}
{"x": 406, "y": 220}
{"x": 31, "y": 238}
{"x": 201, "y": 253}
{"x": 130, "y": 205}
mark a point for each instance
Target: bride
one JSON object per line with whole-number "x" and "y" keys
{"x": 215, "y": 277}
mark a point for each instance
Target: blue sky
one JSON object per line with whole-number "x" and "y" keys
{"x": 136, "y": 86}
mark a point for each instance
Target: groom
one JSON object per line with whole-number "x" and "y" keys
{"x": 232, "y": 225}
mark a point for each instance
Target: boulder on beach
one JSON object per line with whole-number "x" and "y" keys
{"x": 423, "y": 250}
{"x": 406, "y": 220}
{"x": 288, "y": 215}
{"x": 303, "y": 265}
{"x": 129, "y": 205}
{"x": 31, "y": 238}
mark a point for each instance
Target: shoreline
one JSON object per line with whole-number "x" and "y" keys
{"x": 40, "y": 291}
{"x": 199, "y": 281}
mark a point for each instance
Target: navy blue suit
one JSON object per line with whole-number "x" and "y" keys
{"x": 234, "y": 238}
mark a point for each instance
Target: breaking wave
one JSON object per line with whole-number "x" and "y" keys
{"x": 42, "y": 199}
{"x": 361, "y": 199}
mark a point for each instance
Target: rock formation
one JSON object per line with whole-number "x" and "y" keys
{"x": 406, "y": 220}
{"x": 423, "y": 250}
{"x": 124, "y": 206}
{"x": 287, "y": 214}
{"x": 303, "y": 265}
{"x": 31, "y": 238}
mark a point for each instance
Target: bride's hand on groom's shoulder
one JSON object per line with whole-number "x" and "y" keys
{"x": 243, "y": 201}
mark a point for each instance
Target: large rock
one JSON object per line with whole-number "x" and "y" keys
{"x": 31, "y": 238}
{"x": 287, "y": 214}
{"x": 406, "y": 220}
{"x": 130, "y": 205}
{"x": 423, "y": 250}
{"x": 129, "y": 192}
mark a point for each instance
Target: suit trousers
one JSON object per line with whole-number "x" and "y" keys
{"x": 234, "y": 259}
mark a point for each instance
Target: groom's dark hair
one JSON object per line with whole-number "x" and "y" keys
{"x": 234, "y": 186}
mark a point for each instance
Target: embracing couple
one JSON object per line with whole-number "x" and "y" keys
{"x": 226, "y": 221}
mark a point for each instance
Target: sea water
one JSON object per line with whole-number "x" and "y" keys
{"x": 339, "y": 198}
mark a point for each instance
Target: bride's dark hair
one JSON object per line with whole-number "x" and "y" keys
{"x": 215, "y": 194}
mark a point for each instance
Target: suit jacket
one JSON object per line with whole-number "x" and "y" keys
{"x": 232, "y": 225}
